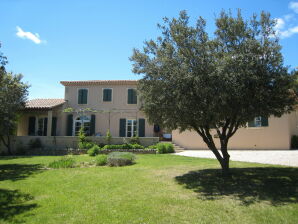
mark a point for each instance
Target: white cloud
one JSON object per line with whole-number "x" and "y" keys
{"x": 289, "y": 32}
{"x": 280, "y": 23}
{"x": 294, "y": 6}
{"x": 28, "y": 35}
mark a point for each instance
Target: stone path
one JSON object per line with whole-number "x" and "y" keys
{"x": 277, "y": 157}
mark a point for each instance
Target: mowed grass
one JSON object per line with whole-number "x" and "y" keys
{"x": 157, "y": 189}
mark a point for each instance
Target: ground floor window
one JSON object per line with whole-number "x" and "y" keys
{"x": 131, "y": 128}
{"x": 82, "y": 121}
{"x": 42, "y": 124}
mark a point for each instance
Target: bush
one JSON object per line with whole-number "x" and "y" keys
{"x": 164, "y": 148}
{"x": 120, "y": 158}
{"x": 294, "y": 142}
{"x": 94, "y": 150}
{"x": 134, "y": 140}
{"x": 65, "y": 162}
{"x": 124, "y": 146}
{"x": 35, "y": 143}
{"x": 101, "y": 160}
{"x": 86, "y": 145}
{"x": 108, "y": 137}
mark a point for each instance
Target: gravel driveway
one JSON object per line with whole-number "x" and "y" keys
{"x": 285, "y": 157}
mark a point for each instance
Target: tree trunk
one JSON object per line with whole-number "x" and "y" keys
{"x": 7, "y": 144}
{"x": 225, "y": 163}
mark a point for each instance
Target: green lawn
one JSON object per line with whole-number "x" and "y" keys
{"x": 157, "y": 189}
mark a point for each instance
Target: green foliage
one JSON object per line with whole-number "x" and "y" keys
{"x": 94, "y": 150}
{"x": 294, "y": 142}
{"x": 82, "y": 136}
{"x": 65, "y": 162}
{"x": 35, "y": 143}
{"x": 164, "y": 148}
{"x": 86, "y": 145}
{"x": 13, "y": 95}
{"x": 121, "y": 158}
{"x": 221, "y": 81}
{"x": 108, "y": 136}
{"x": 134, "y": 140}
{"x": 101, "y": 160}
{"x": 124, "y": 146}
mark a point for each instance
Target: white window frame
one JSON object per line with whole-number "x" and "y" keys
{"x": 132, "y": 127}
{"x": 258, "y": 121}
{"x": 80, "y": 121}
{"x": 78, "y": 89}
{"x": 37, "y": 125}
{"x": 111, "y": 96}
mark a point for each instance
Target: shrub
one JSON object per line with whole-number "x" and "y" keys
{"x": 124, "y": 146}
{"x": 164, "y": 148}
{"x": 169, "y": 148}
{"x": 94, "y": 150}
{"x": 86, "y": 145}
{"x": 120, "y": 158}
{"x": 294, "y": 142}
{"x": 101, "y": 160}
{"x": 136, "y": 146}
{"x": 64, "y": 162}
{"x": 108, "y": 137}
{"x": 134, "y": 140}
{"x": 35, "y": 143}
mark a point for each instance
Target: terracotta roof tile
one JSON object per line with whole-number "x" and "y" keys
{"x": 99, "y": 82}
{"x": 43, "y": 103}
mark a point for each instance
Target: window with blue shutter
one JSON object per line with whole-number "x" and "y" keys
{"x": 141, "y": 127}
{"x": 82, "y": 96}
{"x": 132, "y": 96}
{"x": 122, "y": 127}
{"x": 31, "y": 126}
{"x": 259, "y": 122}
{"x": 107, "y": 95}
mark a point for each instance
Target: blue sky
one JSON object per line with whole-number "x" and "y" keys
{"x": 53, "y": 40}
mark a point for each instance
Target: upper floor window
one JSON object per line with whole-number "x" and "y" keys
{"x": 82, "y": 96}
{"x": 132, "y": 96}
{"x": 259, "y": 122}
{"x": 107, "y": 95}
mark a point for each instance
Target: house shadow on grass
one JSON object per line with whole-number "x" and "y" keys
{"x": 249, "y": 185}
{"x": 12, "y": 203}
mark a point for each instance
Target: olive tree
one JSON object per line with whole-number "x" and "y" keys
{"x": 193, "y": 81}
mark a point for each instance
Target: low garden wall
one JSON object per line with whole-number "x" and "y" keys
{"x": 69, "y": 142}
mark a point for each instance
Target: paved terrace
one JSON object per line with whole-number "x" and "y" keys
{"x": 277, "y": 157}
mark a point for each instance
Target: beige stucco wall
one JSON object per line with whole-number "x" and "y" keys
{"x": 276, "y": 136}
{"x": 22, "y": 129}
{"x": 117, "y": 108}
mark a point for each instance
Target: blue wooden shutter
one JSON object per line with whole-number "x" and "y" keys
{"x": 132, "y": 96}
{"x": 45, "y": 126}
{"x": 264, "y": 121}
{"x": 69, "y": 125}
{"x": 85, "y": 96}
{"x": 31, "y": 126}
{"x": 122, "y": 127}
{"x": 107, "y": 95}
{"x": 54, "y": 126}
{"x": 92, "y": 125}
{"x": 80, "y": 96}
{"x": 129, "y": 96}
{"x": 141, "y": 127}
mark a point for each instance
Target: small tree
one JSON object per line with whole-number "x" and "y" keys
{"x": 13, "y": 94}
{"x": 108, "y": 137}
{"x": 194, "y": 82}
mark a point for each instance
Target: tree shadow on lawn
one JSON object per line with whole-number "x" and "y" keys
{"x": 16, "y": 172}
{"x": 12, "y": 203}
{"x": 249, "y": 185}
{"x": 13, "y": 157}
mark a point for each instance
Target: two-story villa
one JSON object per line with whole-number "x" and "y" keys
{"x": 112, "y": 104}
